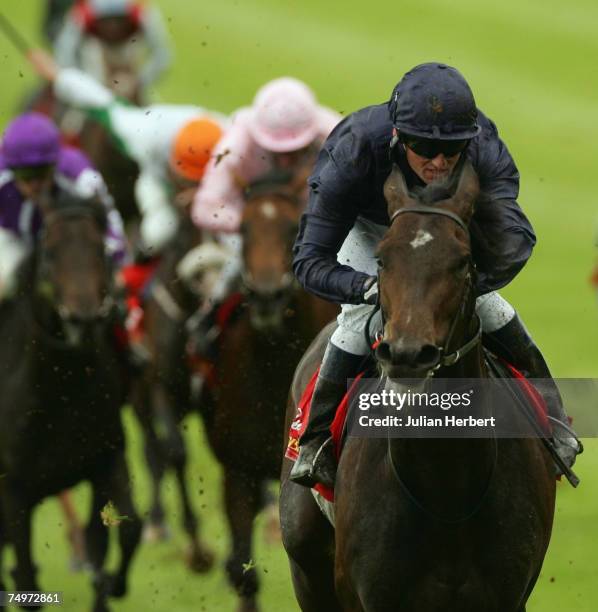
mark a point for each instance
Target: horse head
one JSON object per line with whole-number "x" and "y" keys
{"x": 72, "y": 284}
{"x": 426, "y": 275}
{"x": 269, "y": 226}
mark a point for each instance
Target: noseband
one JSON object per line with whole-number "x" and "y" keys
{"x": 449, "y": 359}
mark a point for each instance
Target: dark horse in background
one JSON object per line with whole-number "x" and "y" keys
{"x": 429, "y": 524}
{"x": 258, "y": 353}
{"x": 162, "y": 397}
{"x": 63, "y": 385}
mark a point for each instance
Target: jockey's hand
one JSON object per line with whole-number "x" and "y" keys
{"x": 370, "y": 291}
{"x": 43, "y": 63}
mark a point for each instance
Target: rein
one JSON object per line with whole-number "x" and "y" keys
{"x": 446, "y": 360}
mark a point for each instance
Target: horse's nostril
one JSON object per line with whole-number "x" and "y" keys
{"x": 428, "y": 355}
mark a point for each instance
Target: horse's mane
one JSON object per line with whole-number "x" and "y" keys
{"x": 71, "y": 205}
{"x": 442, "y": 190}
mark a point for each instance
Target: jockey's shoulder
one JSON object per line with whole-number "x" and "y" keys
{"x": 72, "y": 162}
{"x": 241, "y": 118}
{"x": 366, "y": 128}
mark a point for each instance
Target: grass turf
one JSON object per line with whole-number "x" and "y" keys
{"x": 531, "y": 66}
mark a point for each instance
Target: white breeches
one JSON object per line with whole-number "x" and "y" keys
{"x": 358, "y": 252}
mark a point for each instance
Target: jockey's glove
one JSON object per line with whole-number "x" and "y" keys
{"x": 370, "y": 291}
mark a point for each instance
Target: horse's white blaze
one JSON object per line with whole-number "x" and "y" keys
{"x": 421, "y": 238}
{"x": 268, "y": 210}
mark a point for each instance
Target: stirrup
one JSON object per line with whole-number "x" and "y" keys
{"x": 321, "y": 468}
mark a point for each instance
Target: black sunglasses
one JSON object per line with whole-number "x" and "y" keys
{"x": 30, "y": 173}
{"x": 429, "y": 148}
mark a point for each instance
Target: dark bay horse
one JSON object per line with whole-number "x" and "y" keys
{"x": 258, "y": 353}
{"x": 429, "y": 524}
{"x": 62, "y": 388}
{"x": 162, "y": 397}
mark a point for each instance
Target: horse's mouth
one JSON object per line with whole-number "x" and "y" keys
{"x": 78, "y": 330}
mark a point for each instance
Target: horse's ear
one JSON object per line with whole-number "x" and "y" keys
{"x": 467, "y": 192}
{"x": 396, "y": 192}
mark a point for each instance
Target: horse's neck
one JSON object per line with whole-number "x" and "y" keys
{"x": 447, "y": 473}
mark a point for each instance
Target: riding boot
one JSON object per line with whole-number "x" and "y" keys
{"x": 516, "y": 346}
{"x": 316, "y": 462}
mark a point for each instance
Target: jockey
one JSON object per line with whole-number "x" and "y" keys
{"x": 281, "y": 132}
{"x": 171, "y": 143}
{"x": 430, "y": 122}
{"x": 34, "y": 167}
{"x": 140, "y": 34}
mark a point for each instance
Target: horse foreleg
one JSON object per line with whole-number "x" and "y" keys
{"x": 155, "y": 528}
{"x": 242, "y": 496}
{"x": 17, "y": 516}
{"x": 129, "y": 530}
{"x": 270, "y": 509}
{"x": 200, "y": 558}
{"x": 75, "y": 533}
{"x": 308, "y": 539}
{"x": 96, "y": 544}
{"x": 3, "y": 543}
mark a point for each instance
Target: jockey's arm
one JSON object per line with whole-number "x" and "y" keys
{"x": 218, "y": 203}
{"x": 157, "y": 40}
{"x": 502, "y": 236}
{"x": 336, "y": 189}
{"x": 126, "y": 124}
{"x": 159, "y": 218}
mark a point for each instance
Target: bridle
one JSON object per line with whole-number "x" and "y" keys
{"x": 43, "y": 257}
{"x": 446, "y": 359}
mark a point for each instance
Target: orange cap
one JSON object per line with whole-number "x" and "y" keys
{"x": 192, "y": 148}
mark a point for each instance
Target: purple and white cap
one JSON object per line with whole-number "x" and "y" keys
{"x": 30, "y": 140}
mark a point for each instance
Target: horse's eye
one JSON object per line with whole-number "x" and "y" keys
{"x": 379, "y": 262}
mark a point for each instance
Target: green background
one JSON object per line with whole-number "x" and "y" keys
{"x": 532, "y": 66}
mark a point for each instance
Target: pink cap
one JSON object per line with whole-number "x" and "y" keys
{"x": 284, "y": 116}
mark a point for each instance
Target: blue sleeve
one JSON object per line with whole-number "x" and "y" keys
{"x": 338, "y": 183}
{"x": 502, "y": 236}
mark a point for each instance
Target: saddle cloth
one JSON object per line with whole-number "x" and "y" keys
{"x": 299, "y": 423}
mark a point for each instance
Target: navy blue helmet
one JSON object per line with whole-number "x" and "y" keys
{"x": 434, "y": 101}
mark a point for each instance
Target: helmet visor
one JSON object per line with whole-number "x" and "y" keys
{"x": 430, "y": 148}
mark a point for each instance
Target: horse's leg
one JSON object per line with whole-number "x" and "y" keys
{"x": 200, "y": 558}
{"x": 129, "y": 529}
{"x": 308, "y": 539}
{"x": 17, "y": 514}
{"x": 270, "y": 508}
{"x": 242, "y": 496}
{"x": 155, "y": 528}
{"x": 75, "y": 533}
{"x": 3, "y": 542}
{"x": 96, "y": 543}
